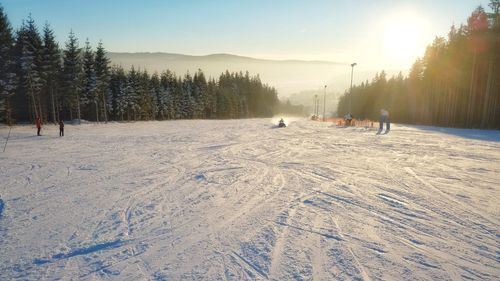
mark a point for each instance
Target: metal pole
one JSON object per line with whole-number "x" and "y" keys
{"x": 10, "y": 128}
{"x": 316, "y": 105}
{"x": 350, "y": 90}
{"x": 324, "y": 105}
{"x": 314, "y": 102}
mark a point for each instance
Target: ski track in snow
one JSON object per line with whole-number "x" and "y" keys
{"x": 244, "y": 200}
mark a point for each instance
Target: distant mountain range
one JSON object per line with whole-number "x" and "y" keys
{"x": 287, "y": 76}
{"x": 152, "y": 58}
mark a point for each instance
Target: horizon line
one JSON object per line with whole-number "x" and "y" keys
{"x": 233, "y": 55}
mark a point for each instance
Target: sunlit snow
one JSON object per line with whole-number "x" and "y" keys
{"x": 242, "y": 199}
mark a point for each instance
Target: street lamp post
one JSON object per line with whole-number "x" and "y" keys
{"x": 324, "y": 105}
{"x": 314, "y": 107}
{"x": 350, "y": 90}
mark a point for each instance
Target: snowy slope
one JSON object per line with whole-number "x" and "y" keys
{"x": 242, "y": 200}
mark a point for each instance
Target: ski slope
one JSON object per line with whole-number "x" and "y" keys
{"x": 244, "y": 200}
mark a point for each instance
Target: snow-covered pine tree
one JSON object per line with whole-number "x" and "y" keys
{"x": 187, "y": 102}
{"x": 118, "y": 84}
{"x": 211, "y": 103}
{"x": 227, "y": 98}
{"x": 199, "y": 94}
{"x": 168, "y": 97}
{"x": 154, "y": 93}
{"x": 90, "y": 96}
{"x": 28, "y": 56}
{"x": 51, "y": 66}
{"x": 8, "y": 76}
{"x": 145, "y": 98}
{"x": 132, "y": 94}
{"x": 162, "y": 96}
{"x": 102, "y": 78}
{"x": 72, "y": 72}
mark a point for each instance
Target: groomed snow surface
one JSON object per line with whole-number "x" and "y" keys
{"x": 244, "y": 200}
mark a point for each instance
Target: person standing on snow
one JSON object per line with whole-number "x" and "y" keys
{"x": 384, "y": 118}
{"x": 61, "y": 128}
{"x": 38, "y": 123}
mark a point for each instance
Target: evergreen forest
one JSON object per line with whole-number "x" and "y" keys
{"x": 455, "y": 84}
{"x": 38, "y": 78}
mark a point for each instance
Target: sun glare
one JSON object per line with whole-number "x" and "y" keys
{"x": 403, "y": 37}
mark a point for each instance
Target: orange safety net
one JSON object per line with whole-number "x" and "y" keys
{"x": 342, "y": 122}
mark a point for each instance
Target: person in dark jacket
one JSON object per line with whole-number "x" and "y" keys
{"x": 384, "y": 118}
{"x": 61, "y": 128}
{"x": 38, "y": 123}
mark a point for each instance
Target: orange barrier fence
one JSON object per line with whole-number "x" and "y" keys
{"x": 343, "y": 122}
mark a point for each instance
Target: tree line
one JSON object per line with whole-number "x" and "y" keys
{"x": 455, "y": 84}
{"x": 39, "y": 79}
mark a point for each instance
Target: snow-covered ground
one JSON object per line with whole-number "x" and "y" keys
{"x": 241, "y": 199}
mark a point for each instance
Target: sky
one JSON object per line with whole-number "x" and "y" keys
{"x": 382, "y": 34}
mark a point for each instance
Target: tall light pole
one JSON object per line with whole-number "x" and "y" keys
{"x": 316, "y": 106}
{"x": 324, "y": 105}
{"x": 350, "y": 90}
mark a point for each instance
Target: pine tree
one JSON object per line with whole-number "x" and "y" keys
{"x": 476, "y": 23}
{"x": 199, "y": 94}
{"x": 118, "y": 85}
{"x": 102, "y": 78}
{"x": 211, "y": 102}
{"x": 187, "y": 102}
{"x": 51, "y": 66}
{"x": 169, "y": 95}
{"x": 145, "y": 97}
{"x": 90, "y": 96}
{"x": 492, "y": 100}
{"x": 29, "y": 57}
{"x": 72, "y": 73}
{"x": 132, "y": 95}
{"x": 154, "y": 92}
{"x": 8, "y": 76}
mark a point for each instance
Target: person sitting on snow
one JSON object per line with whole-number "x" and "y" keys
{"x": 348, "y": 119}
{"x": 282, "y": 123}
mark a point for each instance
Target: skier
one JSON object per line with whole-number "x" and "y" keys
{"x": 61, "y": 128}
{"x": 384, "y": 117}
{"x": 38, "y": 123}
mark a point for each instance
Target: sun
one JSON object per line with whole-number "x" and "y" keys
{"x": 403, "y": 36}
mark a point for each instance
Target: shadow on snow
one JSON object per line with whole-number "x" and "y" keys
{"x": 81, "y": 251}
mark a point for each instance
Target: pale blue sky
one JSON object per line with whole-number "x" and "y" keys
{"x": 342, "y": 31}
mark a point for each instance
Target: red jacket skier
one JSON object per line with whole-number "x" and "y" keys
{"x": 38, "y": 123}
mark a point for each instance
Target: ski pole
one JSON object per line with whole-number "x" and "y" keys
{"x": 10, "y": 128}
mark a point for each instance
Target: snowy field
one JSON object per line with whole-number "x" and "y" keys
{"x": 242, "y": 200}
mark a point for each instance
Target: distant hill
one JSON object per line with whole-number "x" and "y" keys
{"x": 287, "y": 76}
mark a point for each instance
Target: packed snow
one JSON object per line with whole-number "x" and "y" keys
{"x": 244, "y": 200}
